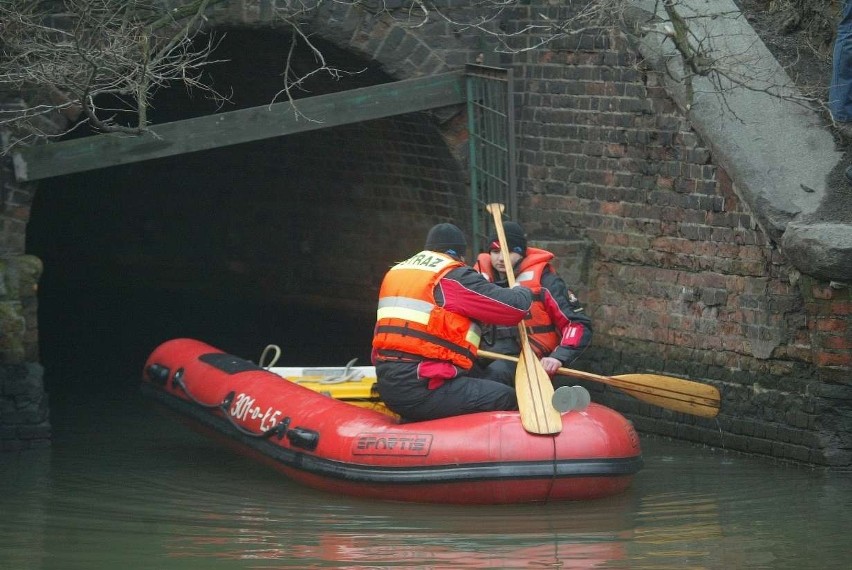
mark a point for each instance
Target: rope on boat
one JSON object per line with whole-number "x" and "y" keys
{"x": 269, "y": 347}
{"x": 348, "y": 375}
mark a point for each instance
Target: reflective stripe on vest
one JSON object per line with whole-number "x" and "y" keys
{"x": 409, "y": 321}
{"x": 414, "y": 310}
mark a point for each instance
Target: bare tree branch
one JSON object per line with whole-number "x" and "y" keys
{"x": 103, "y": 60}
{"x": 82, "y": 50}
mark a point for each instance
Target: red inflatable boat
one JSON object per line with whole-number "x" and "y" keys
{"x": 335, "y": 446}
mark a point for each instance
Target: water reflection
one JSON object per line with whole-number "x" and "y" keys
{"x": 355, "y": 535}
{"x": 126, "y": 487}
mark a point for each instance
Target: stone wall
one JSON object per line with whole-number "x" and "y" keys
{"x": 24, "y": 403}
{"x": 24, "y": 417}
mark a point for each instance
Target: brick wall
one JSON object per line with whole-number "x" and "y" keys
{"x": 682, "y": 280}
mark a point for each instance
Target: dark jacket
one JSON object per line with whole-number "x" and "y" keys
{"x": 561, "y": 305}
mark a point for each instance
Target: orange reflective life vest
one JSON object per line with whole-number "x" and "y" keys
{"x": 409, "y": 321}
{"x": 541, "y": 331}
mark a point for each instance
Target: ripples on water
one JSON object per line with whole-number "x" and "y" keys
{"x": 126, "y": 487}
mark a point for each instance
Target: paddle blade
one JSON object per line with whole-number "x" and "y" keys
{"x": 668, "y": 392}
{"x": 535, "y": 395}
{"x": 689, "y": 388}
{"x": 676, "y": 394}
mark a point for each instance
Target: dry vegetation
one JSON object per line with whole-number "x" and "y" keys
{"x": 800, "y": 33}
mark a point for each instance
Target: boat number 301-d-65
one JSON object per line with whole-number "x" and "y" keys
{"x": 244, "y": 408}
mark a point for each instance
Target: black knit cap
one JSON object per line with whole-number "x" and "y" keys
{"x": 446, "y": 238}
{"x": 516, "y": 238}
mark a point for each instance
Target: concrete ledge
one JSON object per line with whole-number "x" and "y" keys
{"x": 777, "y": 150}
{"x": 821, "y": 250}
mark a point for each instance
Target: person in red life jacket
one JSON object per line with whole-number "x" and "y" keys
{"x": 557, "y": 328}
{"x": 428, "y": 330}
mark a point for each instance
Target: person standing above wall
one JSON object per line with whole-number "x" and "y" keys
{"x": 840, "y": 90}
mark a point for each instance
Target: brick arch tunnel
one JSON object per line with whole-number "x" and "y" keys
{"x": 279, "y": 241}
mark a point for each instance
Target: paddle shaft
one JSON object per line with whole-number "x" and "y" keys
{"x": 667, "y": 392}
{"x": 532, "y": 383}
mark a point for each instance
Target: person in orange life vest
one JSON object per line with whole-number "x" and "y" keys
{"x": 557, "y": 328}
{"x": 428, "y": 329}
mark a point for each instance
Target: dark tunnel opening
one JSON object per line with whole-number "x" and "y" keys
{"x": 92, "y": 336}
{"x": 108, "y": 297}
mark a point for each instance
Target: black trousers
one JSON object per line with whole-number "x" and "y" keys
{"x": 409, "y": 396}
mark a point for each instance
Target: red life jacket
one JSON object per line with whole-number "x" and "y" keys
{"x": 541, "y": 331}
{"x": 409, "y": 321}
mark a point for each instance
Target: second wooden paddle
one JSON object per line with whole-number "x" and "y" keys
{"x": 532, "y": 383}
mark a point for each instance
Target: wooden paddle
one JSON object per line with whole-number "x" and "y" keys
{"x": 667, "y": 392}
{"x": 532, "y": 383}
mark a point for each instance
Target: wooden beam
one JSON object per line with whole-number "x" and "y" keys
{"x": 235, "y": 127}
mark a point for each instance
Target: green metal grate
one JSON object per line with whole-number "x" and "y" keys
{"x": 490, "y": 110}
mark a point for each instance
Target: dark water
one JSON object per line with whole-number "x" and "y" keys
{"x": 125, "y": 486}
